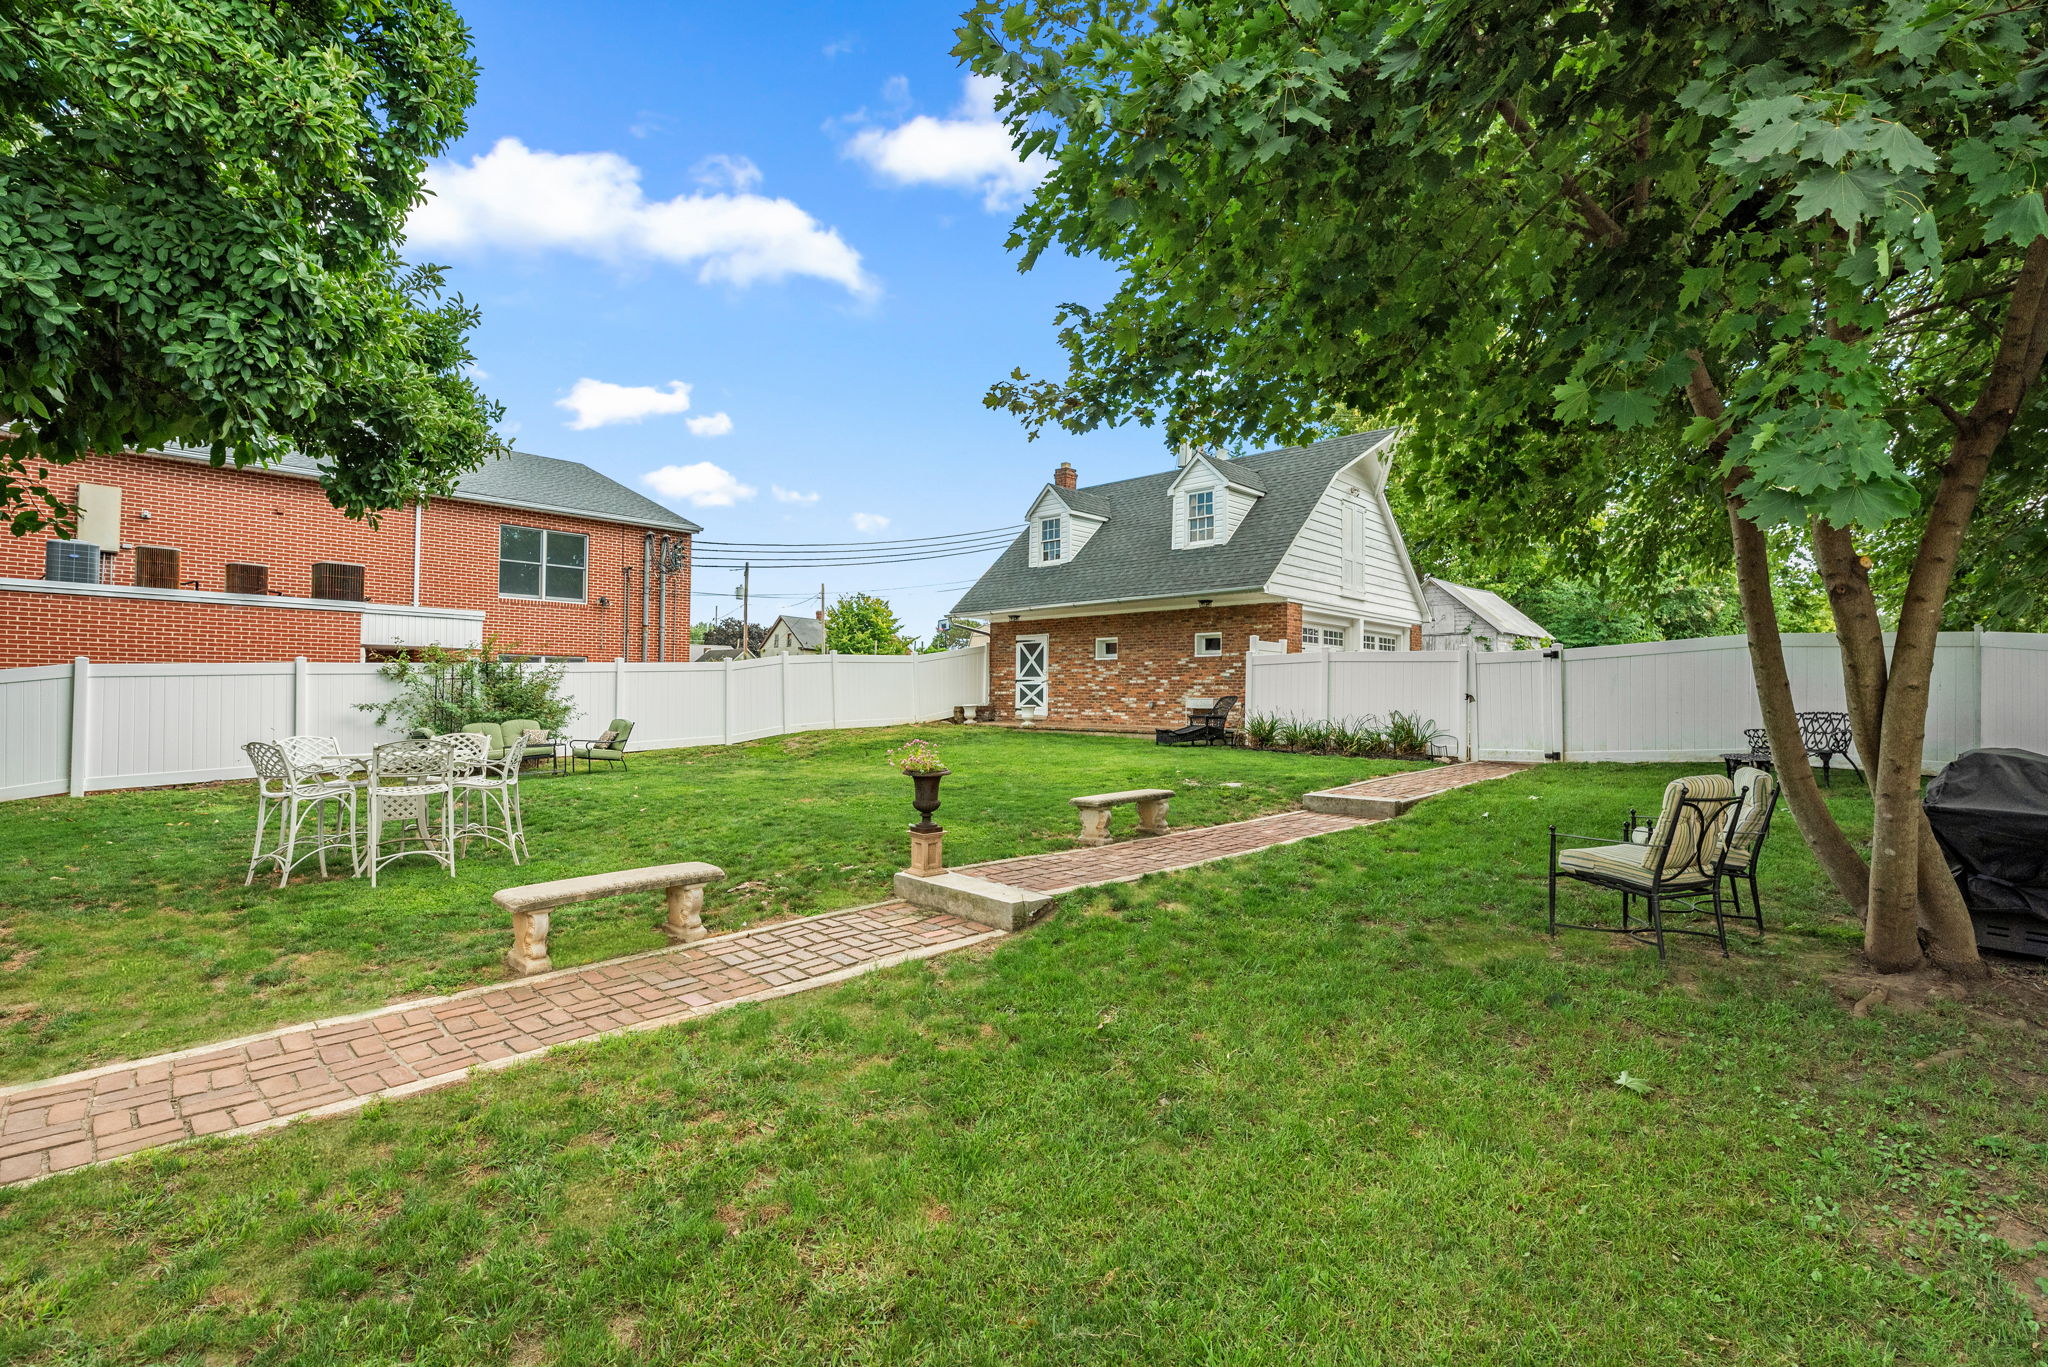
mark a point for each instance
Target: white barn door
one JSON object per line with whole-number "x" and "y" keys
{"x": 1031, "y": 673}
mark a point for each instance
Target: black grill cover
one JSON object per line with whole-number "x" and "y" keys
{"x": 1990, "y": 811}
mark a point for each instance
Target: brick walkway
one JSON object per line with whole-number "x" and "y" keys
{"x": 1129, "y": 859}
{"x": 1421, "y": 783}
{"x": 328, "y": 1067}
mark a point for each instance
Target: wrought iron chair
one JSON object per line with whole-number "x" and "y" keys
{"x": 1679, "y": 861}
{"x": 1211, "y": 727}
{"x": 1759, "y": 792}
{"x": 293, "y": 791}
{"x": 407, "y": 779}
{"x": 494, "y": 785}
{"x": 1827, "y": 734}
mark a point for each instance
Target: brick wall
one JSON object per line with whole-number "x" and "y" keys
{"x": 1155, "y": 666}
{"x": 44, "y": 629}
{"x": 216, "y": 516}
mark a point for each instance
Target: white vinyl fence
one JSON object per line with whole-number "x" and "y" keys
{"x": 1662, "y": 700}
{"x": 81, "y": 727}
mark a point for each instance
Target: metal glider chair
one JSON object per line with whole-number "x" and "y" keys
{"x": 1676, "y": 869}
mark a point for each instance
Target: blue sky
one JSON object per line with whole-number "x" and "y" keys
{"x": 791, "y": 216}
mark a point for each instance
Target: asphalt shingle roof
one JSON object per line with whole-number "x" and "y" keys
{"x": 520, "y": 479}
{"x": 1493, "y": 609}
{"x": 808, "y": 631}
{"x": 1132, "y": 556}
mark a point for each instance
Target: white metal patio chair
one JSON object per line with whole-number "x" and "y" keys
{"x": 320, "y": 755}
{"x": 493, "y": 785}
{"x": 293, "y": 792}
{"x": 408, "y": 779}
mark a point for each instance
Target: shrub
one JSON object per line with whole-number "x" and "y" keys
{"x": 1262, "y": 730}
{"x": 1410, "y": 733}
{"x": 443, "y": 690}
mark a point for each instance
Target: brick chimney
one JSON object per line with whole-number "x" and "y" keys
{"x": 1065, "y": 476}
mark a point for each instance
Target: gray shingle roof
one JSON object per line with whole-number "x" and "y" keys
{"x": 520, "y": 479}
{"x": 1132, "y": 556}
{"x": 809, "y": 632}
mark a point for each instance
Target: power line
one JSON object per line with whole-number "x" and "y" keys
{"x": 1009, "y": 531}
{"x": 984, "y": 549}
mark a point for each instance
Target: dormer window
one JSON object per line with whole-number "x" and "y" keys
{"x": 1049, "y": 539}
{"x": 1202, "y": 516}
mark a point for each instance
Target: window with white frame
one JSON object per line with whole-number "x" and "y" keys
{"x": 1382, "y": 642}
{"x": 1105, "y": 647}
{"x": 1201, "y": 516}
{"x": 1329, "y": 638}
{"x": 533, "y": 563}
{"x": 1049, "y": 539}
{"x": 1208, "y": 643}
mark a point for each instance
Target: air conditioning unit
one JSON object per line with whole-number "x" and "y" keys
{"x": 71, "y": 562}
{"x": 242, "y": 578}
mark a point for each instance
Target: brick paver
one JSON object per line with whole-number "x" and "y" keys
{"x": 1129, "y": 859}
{"x": 1419, "y": 783}
{"x": 327, "y": 1067}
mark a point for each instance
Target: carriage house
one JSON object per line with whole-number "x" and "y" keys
{"x": 1122, "y": 605}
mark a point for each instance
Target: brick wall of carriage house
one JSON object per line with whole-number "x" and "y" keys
{"x": 1156, "y": 665}
{"x": 53, "y": 628}
{"x": 285, "y": 522}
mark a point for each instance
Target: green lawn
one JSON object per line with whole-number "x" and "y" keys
{"x": 125, "y": 929}
{"x": 1340, "y": 1102}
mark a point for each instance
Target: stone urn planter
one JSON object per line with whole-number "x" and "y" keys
{"x": 924, "y": 795}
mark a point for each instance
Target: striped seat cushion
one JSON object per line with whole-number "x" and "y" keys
{"x": 1632, "y": 864}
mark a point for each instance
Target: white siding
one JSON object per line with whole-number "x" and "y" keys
{"x": 1076, "y": 529}
{"x": 1232, "y": 504}
{"x": 1312, "y": 571}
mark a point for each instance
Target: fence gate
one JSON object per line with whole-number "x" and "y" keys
{"x": 1517, "y": 710}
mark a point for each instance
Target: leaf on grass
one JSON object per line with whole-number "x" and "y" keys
{"x": 1633, "y": 1083}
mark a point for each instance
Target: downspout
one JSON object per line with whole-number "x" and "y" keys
{"x": 661, "y": 559}
{"x": 646, "y": 589}
{"x": 417, "y": 514}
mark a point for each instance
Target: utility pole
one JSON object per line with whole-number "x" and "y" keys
{"x": 821, "y": 602}
{"x": 746, "y": 601}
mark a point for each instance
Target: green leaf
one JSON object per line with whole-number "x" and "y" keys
{"x": 2018, "y": 220}
{"x": 1625, "y": 408}
{"x": 1633, "y": 1083}
{"x": 1900, "y": 148}
{"x": 1848, "y": 197}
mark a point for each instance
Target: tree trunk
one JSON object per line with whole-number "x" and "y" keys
{"x": 1817, "y": 826}
{"x": 1943, "y": 919}
{"x": 1897, "y": 853}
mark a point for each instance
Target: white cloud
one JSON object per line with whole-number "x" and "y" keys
{"x": 722, "y": 171}
{"x": 599, "y": 404}
{"x": 968, "y": 151}
{"x": 702, "y": 485}
{"x": 591, "y": 203}
{"x": 783, "y": 495}
{"x": 710, "y": 425}
{"x": 869, "y": 522}
{"x": 839, "y": 47}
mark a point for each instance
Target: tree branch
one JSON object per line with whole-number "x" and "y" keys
{"x": 1600, "y": 225}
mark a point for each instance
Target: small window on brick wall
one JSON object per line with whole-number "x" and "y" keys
{"x": 334, "y": 580}
{"x": 156, "y": 567}
{"x": 1208, "y": 643}
{"x": 1105, "y": 647}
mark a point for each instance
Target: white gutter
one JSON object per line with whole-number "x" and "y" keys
{"x": 416, "y": 514}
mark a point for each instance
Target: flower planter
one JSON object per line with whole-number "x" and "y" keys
{"x": 924, "y": 796}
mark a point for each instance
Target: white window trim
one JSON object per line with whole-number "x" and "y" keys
{"x": 1058, "y": 540}
{"x": 1102, "y": 641}
{"x": 1207, "y": 535}
{"x": 1202, "y": 654}
{"x": 542, "y": 596}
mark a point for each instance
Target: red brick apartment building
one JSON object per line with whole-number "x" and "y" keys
{"x": 1123, "y": 605}
{"x": 177, "y": 560}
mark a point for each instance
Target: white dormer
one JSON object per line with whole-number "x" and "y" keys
{"x": 1209, "y": 502}
{"x": 1057, "y": 531}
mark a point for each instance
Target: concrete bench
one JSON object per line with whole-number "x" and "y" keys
{"x": 1096, "y": 807}
{"x": 531, "y": 905}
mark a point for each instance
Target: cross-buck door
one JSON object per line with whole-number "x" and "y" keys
{"x": 1031, "y": 683}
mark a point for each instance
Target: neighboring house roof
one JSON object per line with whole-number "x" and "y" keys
{"x": 520, "y": 479}
{"x": 809, "y": 632}
{"x": 713, "y": 654}
{"x": 1494, "y": 610}
{"x": 1132, "y": 555}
